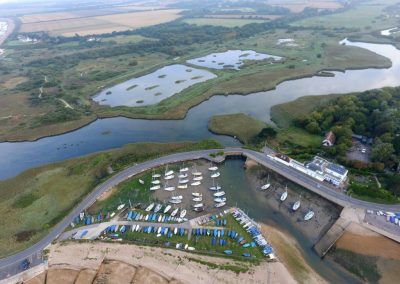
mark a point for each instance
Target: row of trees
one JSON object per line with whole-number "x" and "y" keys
{"x": 374, "y": 114}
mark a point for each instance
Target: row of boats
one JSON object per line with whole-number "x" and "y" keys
{"x": 157, "y": 208}
{"x": 295, "y": 206}
{"x": 252, "y": 228}
{"x": 183, "y": 178}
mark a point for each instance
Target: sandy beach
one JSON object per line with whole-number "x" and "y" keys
{"x": 158, "y": 265}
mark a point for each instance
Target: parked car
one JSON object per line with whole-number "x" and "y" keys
{"x": 25, "y": 264}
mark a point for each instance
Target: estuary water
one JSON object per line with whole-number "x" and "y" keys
{"x": 110, "y": 133}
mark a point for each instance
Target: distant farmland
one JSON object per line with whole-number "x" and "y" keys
{"x": 297, "y": 6}
{"x": 230, "y": 23}
{"x": 69, "y": 24}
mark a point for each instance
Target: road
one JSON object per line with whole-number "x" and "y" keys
{"x": 8, "y": 265}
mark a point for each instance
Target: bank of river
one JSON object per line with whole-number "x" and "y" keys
{"x": 242, "y": 191}
{"x": 109, "y": 133}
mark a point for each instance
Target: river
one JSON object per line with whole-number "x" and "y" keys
{"x": 110, "y": 133}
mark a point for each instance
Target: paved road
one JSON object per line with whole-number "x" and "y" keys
{"x": 9, "y": 263}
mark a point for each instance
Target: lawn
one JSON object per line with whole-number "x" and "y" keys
{"x": 230, "y": 23}
{"x": 238, "y": 125}
{"x": 34, "y": 201}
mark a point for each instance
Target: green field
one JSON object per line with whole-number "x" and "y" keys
{"x": 229, "y": 23}
{"x": 34, "y": 201}
{"x": 239, "y": 125}
{"x": 367, "y": 15}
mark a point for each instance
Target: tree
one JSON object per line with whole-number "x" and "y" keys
{"x": 393, "y": 183}
{"x": 396, "y": 144}
{"x": 313, "y": 127}
{"x": 382, "y": 152}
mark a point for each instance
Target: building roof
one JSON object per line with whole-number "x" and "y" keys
{"x": 337, "y": 168}
{"x": 330, "y": 136}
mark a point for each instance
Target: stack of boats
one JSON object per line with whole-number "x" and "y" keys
{"x": 183, "y": 178}
{"x": 155, "y": 182}
{"x": 198, "y": 198}
{"x": 219, "y": 195}
{"x": 197, "y": 177}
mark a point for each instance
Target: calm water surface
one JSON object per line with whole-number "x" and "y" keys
{"x": 154, "y": 87}
{"x": 231, "y": 59}
{"x": 115, "y": 132}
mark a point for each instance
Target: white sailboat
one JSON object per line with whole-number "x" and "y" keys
{"x": 173, "y": 213}
{"x": 167, "y": 209}
{"x": 155, "y": 187}
{"x": 198, "y": 199}
{"x": 196, "y": 173}
{"x": 196, "y": 183}
{"x": 296, "y": 205}
{"x": 156, "y": 176}
{"x": 183, "y": 170}
{"x": 220, "y": 199}
{"x": 120, "y": 206}
{"x": 309, "y": 215}
{"x": 198, "y": 205}
{"x": 213, "y": 168}
{"x": 215, "y": 175}
{"x": 156, "y": 181}
{"x": 177, "y": 197}
{"x": 175, "y": 201}
{"x": 267, "y": 185}
{"x": 219, "y": 193}
{"x": 196, "y": 194}
{"x": 169, "y": 177}
{"x": 169, "y": 188}
{"x": 215, "y": 187}
{"x": 167, "y": 172}
{"x": 158, "y": 208}
{"x": 284, "y": 195}
{"x": 218, "y": 205}
{"x": 182, "y": 186}
{"x": 198, "y": 178}
{"x": 185, "y": 175}
{"x": 183, "y": 181}
{"x": 183, "y": 213}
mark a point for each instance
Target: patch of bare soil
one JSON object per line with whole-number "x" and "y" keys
{"x": 86, "y": 276}
{"x": 39, "y": 279}
{"x": 146, "y": 276}
{"x": 115, "y": 272}
{"x": 61, "y": 275}
{"x": 363, "y": 241}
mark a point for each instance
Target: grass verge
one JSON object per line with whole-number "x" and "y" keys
{"x": 34, "y": 201}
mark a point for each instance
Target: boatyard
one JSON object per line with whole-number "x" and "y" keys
{"x": 230, "y": 232}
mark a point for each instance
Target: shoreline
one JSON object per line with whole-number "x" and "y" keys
{"x": 107, "y": 112}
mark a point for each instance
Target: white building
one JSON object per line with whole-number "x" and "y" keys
{"x": 318, "y": 168}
